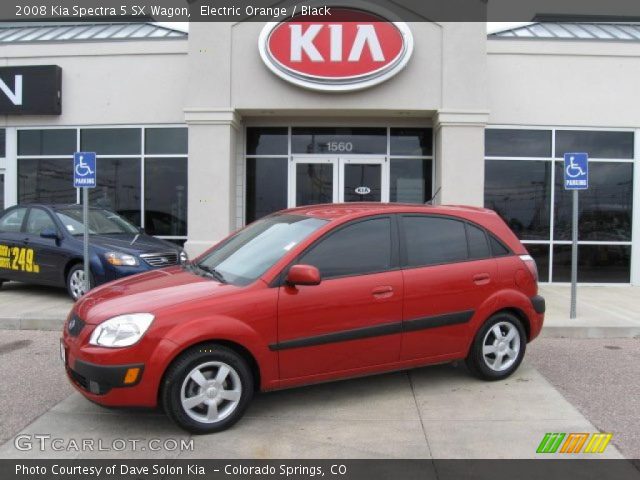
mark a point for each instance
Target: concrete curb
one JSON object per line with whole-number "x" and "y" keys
{"x": 47, "y": 324}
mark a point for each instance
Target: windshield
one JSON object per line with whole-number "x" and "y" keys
{"x": 252, "y": 251}
{"x": 101, "y": 222}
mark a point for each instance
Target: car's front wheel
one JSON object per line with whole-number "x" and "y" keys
{"x": 207, "y": 389}
{"x": 498, "y": 348}
{"x": 76, "y": 286}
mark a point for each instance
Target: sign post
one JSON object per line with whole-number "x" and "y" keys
{"x": 576, "y": 177}
{"x": 85, "y": 177}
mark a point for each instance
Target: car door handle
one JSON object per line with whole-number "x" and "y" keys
{"x": 385, "y": 291}
{"x": 481, "y": 278}
{"x": 25, "y": 240}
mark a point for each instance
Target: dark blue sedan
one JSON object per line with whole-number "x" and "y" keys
{"x": 42, "y": 244}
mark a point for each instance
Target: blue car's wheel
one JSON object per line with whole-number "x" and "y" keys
{"x": 76, "y": 286}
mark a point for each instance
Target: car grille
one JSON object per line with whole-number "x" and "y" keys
{"x": 160, "y": 259}
{"x": 75, "y": 326}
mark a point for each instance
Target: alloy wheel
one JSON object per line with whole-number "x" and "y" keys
{"x": 501, "y": 346}
{"x": 77, "y": 284}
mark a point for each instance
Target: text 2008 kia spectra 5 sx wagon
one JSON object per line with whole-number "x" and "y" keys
{"x": 308, "y": 295}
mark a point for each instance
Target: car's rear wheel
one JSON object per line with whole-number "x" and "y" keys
{"x": 207, "y": 389}
{"x": 498, "y": 348}
{"x": 75, "y": 282}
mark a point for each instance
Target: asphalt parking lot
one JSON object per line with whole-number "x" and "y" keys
{"x": 435, "y": 412}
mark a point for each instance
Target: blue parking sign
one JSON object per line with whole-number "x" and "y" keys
{"x": 84, "y": 170}
{"x": 576, "y": 171}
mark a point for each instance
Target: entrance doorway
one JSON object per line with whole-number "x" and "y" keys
{"x": 326, "y": 179}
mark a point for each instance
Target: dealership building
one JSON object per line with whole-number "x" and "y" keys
{"x": 199, "y": 134}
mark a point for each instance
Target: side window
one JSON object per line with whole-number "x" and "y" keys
{"x": 364, "y": 247}
{"x": 478, "y": 246}
{"x": 39, "y": 220}
{"x": 497, "y": 248}
{"x": 12, "y": 221}
{"x": 432, "y": 240}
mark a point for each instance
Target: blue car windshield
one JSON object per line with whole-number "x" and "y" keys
{"x": 101, "y": 222}
{"x": 251, "y": 252}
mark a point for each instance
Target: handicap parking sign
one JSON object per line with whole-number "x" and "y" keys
{"x": 84, "y": 170}
{"x": 576, "y": 171}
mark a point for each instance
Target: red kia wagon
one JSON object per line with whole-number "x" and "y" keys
{"x": 307, "y": 295}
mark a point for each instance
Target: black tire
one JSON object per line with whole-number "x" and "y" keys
{"x": 68, "y": 281}
{"x": 476, "y": 362}
{"x": 178, "y": 376}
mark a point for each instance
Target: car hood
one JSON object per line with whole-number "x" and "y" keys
{"x": 149, "y": 292}
{"x": 131, "y": 244}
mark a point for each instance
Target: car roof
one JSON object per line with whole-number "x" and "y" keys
{"x": 339, "y": 211}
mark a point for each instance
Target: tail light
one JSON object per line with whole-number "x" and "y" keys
{"x": 531, "y": 265}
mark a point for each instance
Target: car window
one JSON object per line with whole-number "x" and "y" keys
{"x": 39, "y": 220}
{"x": 497, "y": 248}
{"x": 478, "y": 246}
{"x": 433, "y": 240}
{"x": 101, "y": 222}
{"x": 357, "y": 249}
{"x": 12, "y": 220}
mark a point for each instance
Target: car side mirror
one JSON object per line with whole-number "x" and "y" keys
{"x": 303, "y": 275}
{"x": 50, "y": 233}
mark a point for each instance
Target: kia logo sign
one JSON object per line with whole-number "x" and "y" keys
{"x": 363, "y": 190}
{"x": 348, "y": 50}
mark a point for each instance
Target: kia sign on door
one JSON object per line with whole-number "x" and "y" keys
{"x": 349, "y": 50}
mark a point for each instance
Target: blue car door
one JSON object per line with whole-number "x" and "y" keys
{"x": 11, "y": 237}
{"x": 44, "y": 259}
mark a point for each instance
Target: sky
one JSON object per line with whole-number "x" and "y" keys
{"x": 491, "y": 26}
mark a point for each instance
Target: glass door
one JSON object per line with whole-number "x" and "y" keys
{"x": 1, "y": 190}
{"x": 313, "y": 180}
{"x": 363, "y": 180}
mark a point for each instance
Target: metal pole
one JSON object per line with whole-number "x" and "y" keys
{"x": 85, "y": 220}
{"x": 574, "y": 255}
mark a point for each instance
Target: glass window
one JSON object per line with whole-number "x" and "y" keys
{"x": 165, "y": 141}
{"x": 520, "y": 192}
{"x": 111, "y": 141}
{"x": 478, "y": 246}
{"x": 252, "y": 251}
{"x": 2, "y": 142}
{"x": 46, "y": 181}
{"x": 101, "y": 222}
{"x": 596, "y": 143}
{"x": 118, "y": 187}
{"x": 605, "y": 209}
{"x": 1, "y": 191}
{"x": 411, "y": 142}
{"x": 39, "y": 220}
{"x": 357, "y": 249}
{"x": 165, "y": 196}
{"x": 540, "y": 254}
{"x": 411, "y": 180}
{"x": 314, "y": 183}
{"x": 503, "y": 142}
{"x": 596, "y": 263}
{"x": 12, "y": 220}
{"x": 266, "y": 190}
{"x": 267, "y": 141}
{"x": 362, "y": 182}
{"x": 339, "y": 140}
{"x": 434, "y": 241}
{"x": 47, "y": 142}
{"x": 497, "y": 247}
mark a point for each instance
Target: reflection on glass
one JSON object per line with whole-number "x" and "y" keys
{"x": 540, "y": 254}
{"x": 342, "y": 140}
{"x": 411, "y": 142}
{"x": 411, "y": 180}
{"x": 2, "y": 142}
{"x": 520, "y": 192}
{"x": 165, "y": 196}
{"x": 46, "y": 181}
{"x": 267, "y": 141}
{"x": 47, "y": 142}
{"x": 314, "y": 183}
{"x": 111, "y": 141}
{"x": 596, "y": 263}
{"x": 605, "y": 209}
{"x": 1, "y": 191}
{"x": 266, "y": 187}
{"x": 118, "y": 188}
{"x": 504, "y": 142}
{"x": 362, "y": 183}
{"x": 165, "y": 141}
{"x": 597, "y": 144}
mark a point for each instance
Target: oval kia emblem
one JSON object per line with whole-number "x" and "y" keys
{"x": 349, "y": 50}
{"x": 363, "y": 190}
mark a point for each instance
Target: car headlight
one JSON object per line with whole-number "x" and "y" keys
{"x": 184, "y": 258}
{"x": 121, "y": 259}
{"x": 121, "y": 331}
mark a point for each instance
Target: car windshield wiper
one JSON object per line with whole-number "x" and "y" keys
{"x": 211, "y": 271}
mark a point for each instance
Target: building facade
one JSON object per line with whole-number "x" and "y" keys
{"x": 197, "y": 137}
